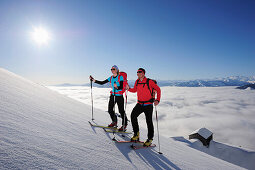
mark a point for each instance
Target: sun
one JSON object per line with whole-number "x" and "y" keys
{"x": 40, "y": 35}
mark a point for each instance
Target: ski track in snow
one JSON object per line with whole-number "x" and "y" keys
{"x": 40, "y": 129}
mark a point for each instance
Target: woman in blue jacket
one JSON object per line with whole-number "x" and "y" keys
{"x": 116, "y": 96}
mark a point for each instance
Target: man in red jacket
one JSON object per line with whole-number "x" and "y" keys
{"x": 145, "y": 89}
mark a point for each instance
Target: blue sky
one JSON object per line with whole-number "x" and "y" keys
{"x": 171, "y": 39}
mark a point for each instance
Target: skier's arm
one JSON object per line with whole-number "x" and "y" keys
{"x": 157, "y": 88}
{"x": 97, "y": 81}
{"x": 120, "y": 87}
{"x": 133, "y": 90}
{"x": 101, "y": 82}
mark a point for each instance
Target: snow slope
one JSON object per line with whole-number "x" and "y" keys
{"x": 41, "y": 129}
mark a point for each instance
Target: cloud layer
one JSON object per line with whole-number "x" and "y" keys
{"x": 229, "y": 113}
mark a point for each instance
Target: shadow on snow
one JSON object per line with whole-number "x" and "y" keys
{"x": 149, "y": 156}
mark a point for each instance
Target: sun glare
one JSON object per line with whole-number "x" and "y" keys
{"x": 41, "y": 36}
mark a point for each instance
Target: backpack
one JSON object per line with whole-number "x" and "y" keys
{"x": 124, "y": 75}
{"x": 152, "y": 91}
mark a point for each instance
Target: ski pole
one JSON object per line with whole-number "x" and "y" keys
{"x": 125, "y": 114}
{"x": 157, "y": 129}
{"x": 114, "y": 99}
{"x": 126, "y": 101}
{"x": 91, "y": 101}
{"x": 126, "y": 109}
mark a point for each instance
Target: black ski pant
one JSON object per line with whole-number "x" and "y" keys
{"x": 148, "y": 110}
{"x": 120, "y": 102}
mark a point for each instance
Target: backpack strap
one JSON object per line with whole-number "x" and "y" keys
{"x": 151, "y": 91}
{"x": 111, "y": 79}
{"x": 136, "y": 82}
{"x": 148, "y": 85}
{"x": 139, "y": 83}
{"x": 147, "y": 82}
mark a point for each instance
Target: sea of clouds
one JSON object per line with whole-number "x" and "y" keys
{"x": 228, "y": 112}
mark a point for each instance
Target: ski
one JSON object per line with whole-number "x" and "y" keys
{"x": 100, "y": 126}
{"x": 125, "y": 141}
{"x": 135, "y": 147}
{"x": 116, "y": 131}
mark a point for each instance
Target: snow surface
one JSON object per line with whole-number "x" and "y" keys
{"x": 41, "y": 129}
{"x": 249, "y": 88}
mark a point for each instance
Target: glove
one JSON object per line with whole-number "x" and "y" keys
{"x": 91, "y": 78}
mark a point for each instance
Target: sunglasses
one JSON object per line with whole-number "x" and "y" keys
{"x": 139, "y": 71}
{"x": 113, "y": 69}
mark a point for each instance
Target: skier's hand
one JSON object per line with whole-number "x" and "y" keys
{"x": 127, "y": 87}
{"x": 115, "y": 86}
{"x": 91, "y": 78}
{"x": 156, "y": 102}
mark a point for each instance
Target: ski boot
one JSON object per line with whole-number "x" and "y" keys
{"x": 148, "y": 142}
{"x": 113, "y": 125}
{"x": 123, "y": 128}
{"x": 135, "y": 137}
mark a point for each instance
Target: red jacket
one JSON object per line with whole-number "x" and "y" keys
{"x": 143, "y": 92}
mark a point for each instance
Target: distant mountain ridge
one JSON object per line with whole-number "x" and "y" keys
{"x": 248, "y": 86}
{"x": 217, "y": 82}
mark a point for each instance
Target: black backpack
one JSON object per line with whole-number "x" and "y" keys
{"x": 148, "y": 85}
